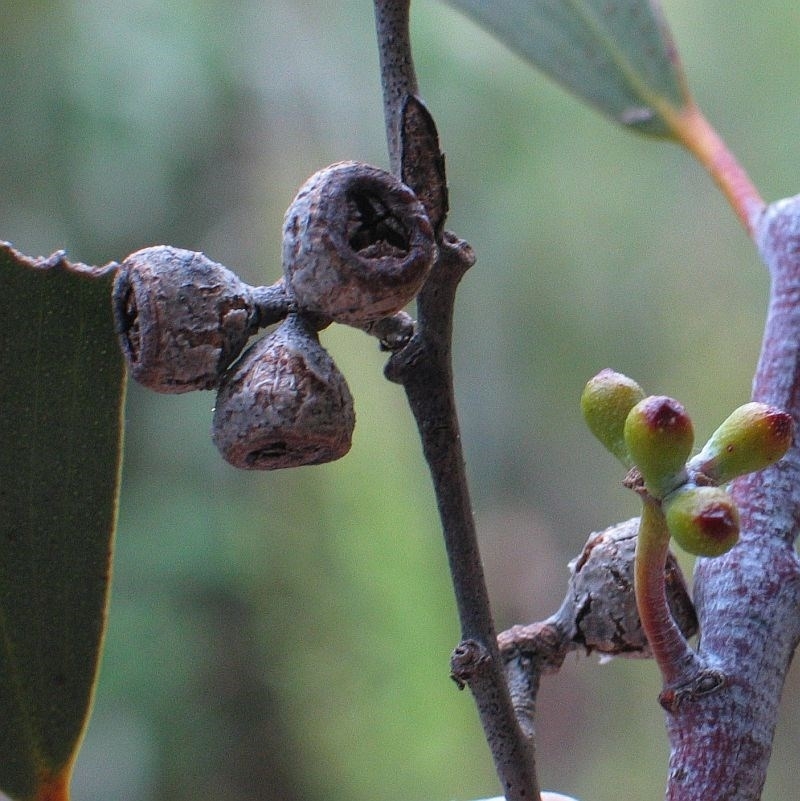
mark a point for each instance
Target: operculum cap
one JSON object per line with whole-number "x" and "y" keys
{"x": 284, "y": 403}
{"x": 659, "y": 436}
{"x": 605, "y": 403}
{"x": 753, "y": 437}
{"x": 703, "y": 520}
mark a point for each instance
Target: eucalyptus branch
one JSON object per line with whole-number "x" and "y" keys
{"x": 424, "y": 368}
{"x": 748, "y": 600}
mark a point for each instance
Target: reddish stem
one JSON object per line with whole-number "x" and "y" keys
{"x": 54, "y": 787}
{"x": 695, "y": 132}
{"x": 678, "y": 663}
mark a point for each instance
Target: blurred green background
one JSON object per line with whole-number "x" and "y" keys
{"x": 286, "y": 636}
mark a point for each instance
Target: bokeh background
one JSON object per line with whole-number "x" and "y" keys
{"x": 286, "y": 636}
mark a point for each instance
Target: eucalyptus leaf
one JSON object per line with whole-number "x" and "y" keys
{"x": 617, "y": 55}
{"x": 61, "y": 394}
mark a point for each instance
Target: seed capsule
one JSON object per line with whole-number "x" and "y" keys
{"x": 659, "y": 436}
{"x": 606, "y": 400}
{"x": 703, "y": 520}
{"x": 284, "y": 403}
{"x": 181, "y": 318}
{"x": 753, "y": 437}
{"x": 601, "y": 591}
{"x": 357, "y": 244}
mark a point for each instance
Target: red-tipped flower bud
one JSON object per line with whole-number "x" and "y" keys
{"x": 181, "y": 318}
{"x": 703, "y": 520}
{"x": 606, "y": 400}
{"x": 283, "y": 404}
{"x": 659, "y": 436}
{"x": 752, "y": 438}
{"x": 357, "y": 244}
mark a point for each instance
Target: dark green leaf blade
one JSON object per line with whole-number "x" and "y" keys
{"x": 617, "y": 55}
{"x": 61, "y": 394}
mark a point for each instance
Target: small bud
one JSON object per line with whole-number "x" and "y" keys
{"x": 283, "y": 404}
{"x": 659, "y": 436}
{"x": 357, "y": 244}
{"x": 181, "y": 318}
{"x": 703, "y": 520}
{"x": 606, "y": 400}
{"x": 752, "y": 438}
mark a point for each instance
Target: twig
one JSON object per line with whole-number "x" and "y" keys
{"x": 424, "y": 368}
{"x": 398, "y": 79}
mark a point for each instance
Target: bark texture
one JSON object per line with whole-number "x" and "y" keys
{"x": 748, "y": 601}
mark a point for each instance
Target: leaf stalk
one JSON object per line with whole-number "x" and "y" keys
{"x": 700, "y": 138}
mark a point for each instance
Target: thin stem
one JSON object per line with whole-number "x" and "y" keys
{"x": 272, "y": 303}
{"x": 55, "y": 788}
{"x": 677, "y": 662}
{"x": 398, "y": 78}
{"x": 424, "y": 368}
{"x": 697, "y": 134}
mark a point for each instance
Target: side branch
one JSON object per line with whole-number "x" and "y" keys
{"x": 423, "y": 368}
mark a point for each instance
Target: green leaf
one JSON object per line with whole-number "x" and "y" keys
{"x": 617, "y": 55}
{"x": 61, "y": 393}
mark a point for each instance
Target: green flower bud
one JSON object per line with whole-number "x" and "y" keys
{"x": 703, "y": 520}
{"x": 606, "y": 400}
{"x": 659, "y": 436}
{"x": 752, "y": 438}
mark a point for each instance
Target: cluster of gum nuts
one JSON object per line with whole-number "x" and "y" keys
{"x": 357, "y": 247}
{"x": 653, "y": 437}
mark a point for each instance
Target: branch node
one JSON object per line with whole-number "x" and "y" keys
{"x": 541, "y": 646}
{"x": 469, "y": 658}
{"x": 706, "y": 682}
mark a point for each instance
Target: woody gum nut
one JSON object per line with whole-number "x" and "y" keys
{"x": 752, "y": 438}
{"x": 357, "y": 244}
{"x": 601, "y": 589}
{"x": 283, "y": 404}
{"x": 659, "y": 436}
{"x": 605, "y": 402}
{"x": 703, "y": 520}
{"x": 180, "y": 317}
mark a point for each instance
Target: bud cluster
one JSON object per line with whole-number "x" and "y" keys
{"x": 357, "y": 248}
{"x": 654, "y": 435}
